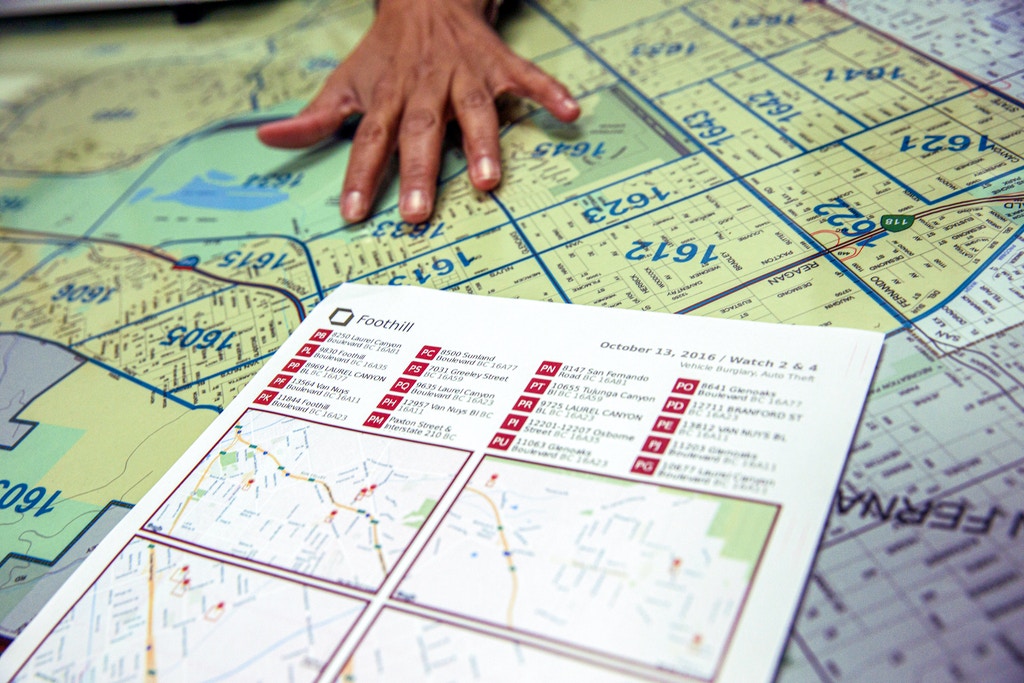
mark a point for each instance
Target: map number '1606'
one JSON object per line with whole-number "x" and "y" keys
{"x": 29, "y": 498}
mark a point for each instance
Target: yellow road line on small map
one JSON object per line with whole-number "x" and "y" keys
{"x": 150, "y": 642}
{"x": 238, "y": 440}
{"x": 508, "y": 553}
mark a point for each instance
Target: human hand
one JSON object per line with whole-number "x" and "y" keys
{"x": 422, "y": 63}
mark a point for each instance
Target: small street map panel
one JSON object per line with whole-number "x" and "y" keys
{"x": 854, "y": 164}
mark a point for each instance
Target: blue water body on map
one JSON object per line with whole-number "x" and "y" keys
{"x": 142, "y": 194}
{"x": 202, "y": 193}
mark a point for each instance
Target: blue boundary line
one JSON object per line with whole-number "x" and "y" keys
{"x": 852, "y": 277}
{"x": 233, "y": 368}
{"x": 1018, "y": 233}
{"x": 50, "y": 563}
{"x": 288, "y": 238}
{"x": 159, "y": 392}
{"x": 536, "y": 256}
{"x": 767, "y": 64}
{"x": 758, "y": 116}
{"x": 151, "y": 316}
{"x": 915, "y": 193}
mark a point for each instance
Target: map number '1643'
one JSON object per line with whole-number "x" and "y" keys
{"x": 706, "y": 128}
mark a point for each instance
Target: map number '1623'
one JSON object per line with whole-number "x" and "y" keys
{"x": 616, "y": 207}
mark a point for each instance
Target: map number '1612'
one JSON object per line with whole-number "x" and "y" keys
{"x": 684, "y": 252}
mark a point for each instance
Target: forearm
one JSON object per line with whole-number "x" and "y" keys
{"x": 487, "y": 9}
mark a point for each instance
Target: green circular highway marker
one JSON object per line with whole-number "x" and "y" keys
{"x": 894, "y": 222}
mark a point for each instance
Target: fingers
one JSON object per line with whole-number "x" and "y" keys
{"x": 324, "y": 115}
{"x": 478, "y": 119}
{"x": 371, "y": 147}
{"x": 419, "y": 152}
{"x": 528, "y": 80}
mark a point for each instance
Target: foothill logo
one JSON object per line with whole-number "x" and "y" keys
{"x": 341, "y": 317}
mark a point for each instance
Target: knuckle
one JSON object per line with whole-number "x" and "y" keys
{"x": 383, "y": 91}
{"x": 419, "y": 121}
{"x": 475, "y": 99}
{"x": 372, "y": 133}
{"x": 416, "y": 173}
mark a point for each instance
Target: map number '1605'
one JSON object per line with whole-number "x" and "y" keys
{"x": 197, "y": 338}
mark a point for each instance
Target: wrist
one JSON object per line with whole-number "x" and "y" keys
{"x": 488, "y": 9}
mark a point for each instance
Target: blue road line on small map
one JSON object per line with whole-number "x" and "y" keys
{"x": 536, "y": 256}
{"x": 970, "y": 280}
{"x": 207, "y": 378}
{"x": 302, "y": 632}
{"x": 150, "y": 317}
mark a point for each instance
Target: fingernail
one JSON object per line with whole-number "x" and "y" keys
{"x": 353, "y": 206}
{"x": 487, "y": 170}
{"x": 414, "y": 203}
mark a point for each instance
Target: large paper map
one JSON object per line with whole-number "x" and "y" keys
{"x": 856, "y": 166}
